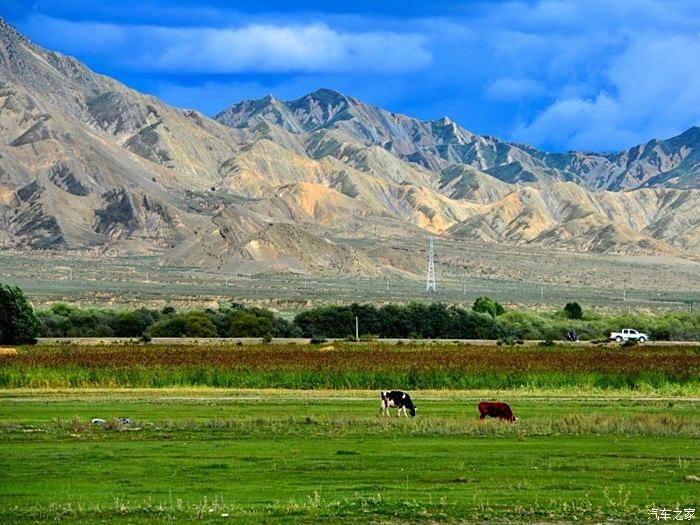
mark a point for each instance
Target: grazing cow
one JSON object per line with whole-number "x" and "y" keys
{"x": 397, "y": 398}
{"x": 500, "y": 410}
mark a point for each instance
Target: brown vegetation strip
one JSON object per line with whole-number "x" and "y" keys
{"x": 369, "y": 358}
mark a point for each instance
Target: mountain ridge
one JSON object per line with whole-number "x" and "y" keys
{"x": 435, "y": 144}
{"x": 88, "y": 163}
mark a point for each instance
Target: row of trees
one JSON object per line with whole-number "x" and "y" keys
{"x": 234, "y": 320}
{"x": 486, "y": 319}
{"x": 414, "y": 320}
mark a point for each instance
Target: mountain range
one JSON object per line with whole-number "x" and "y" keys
{"x": 88, "y": 164}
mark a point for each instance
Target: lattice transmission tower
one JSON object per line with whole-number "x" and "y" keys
{"x": 430, "y": 281}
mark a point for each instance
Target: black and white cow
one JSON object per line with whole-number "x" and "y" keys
{"x": 397, "y": 398}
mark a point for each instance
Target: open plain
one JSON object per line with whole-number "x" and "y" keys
{"x": 301, "y": 439}
{"x": 465, "y": 270}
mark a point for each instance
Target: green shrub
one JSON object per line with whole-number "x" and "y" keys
{"x": 486, "y": 305}
{"x": 191, "y": 324}
{"x": 128, "y": 324}
{"x": 249, "y": 323}
{"x": 573, "y": 310}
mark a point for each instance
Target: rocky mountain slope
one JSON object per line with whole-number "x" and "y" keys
{"x": 325, "y": 115}
{"x": 87, "y": 163}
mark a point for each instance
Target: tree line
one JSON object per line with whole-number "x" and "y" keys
{"x": 485, "y": 319}
{"x": 414, "y": 320}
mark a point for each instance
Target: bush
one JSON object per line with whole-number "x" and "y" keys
{"x": 327, "y": 321}
{"x": 573, "y": 310}
{"x": 18, "y": 322}
{"x": 128, "y": 324}
{"x": 486, "y": 305}
{"x": 191, "y": 324}
{"x": 248, "y": 323}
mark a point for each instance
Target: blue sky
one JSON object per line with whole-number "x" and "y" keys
{"x": 590, "y": 75}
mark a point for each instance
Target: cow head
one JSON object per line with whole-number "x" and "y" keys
{"x": 413, "y": 411}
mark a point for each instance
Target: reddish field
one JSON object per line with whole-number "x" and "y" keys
{"x": 347, "y": 365}
{"x": 678, "y": 361}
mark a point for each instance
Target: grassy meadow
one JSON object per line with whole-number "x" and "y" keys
{"x": 303, "y": 441}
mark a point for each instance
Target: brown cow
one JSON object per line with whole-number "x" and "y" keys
{"x": 494, "y": 409}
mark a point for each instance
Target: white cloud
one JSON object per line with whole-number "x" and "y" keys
{"x": 655, "y": 93}
{"x": 590, "y": 74}
{"x": 268, "y": 48}
{"x": 514, "y": 89}
{"x": 253, "y": 48}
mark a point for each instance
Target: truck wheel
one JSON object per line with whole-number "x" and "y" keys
{"x": 618, "y": 339}
{"x": 642, "y": 339}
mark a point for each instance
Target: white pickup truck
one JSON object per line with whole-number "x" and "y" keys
{"x": 626, "y": 334}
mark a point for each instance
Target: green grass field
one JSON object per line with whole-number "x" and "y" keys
{"x": 271, "y": 456}
{"x": 292, "y": 434}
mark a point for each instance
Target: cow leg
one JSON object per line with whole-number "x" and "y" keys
{"x": 385, "y": 407}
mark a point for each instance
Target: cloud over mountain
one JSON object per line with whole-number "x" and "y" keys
{"x": 260, "y": 48}
{"x": 578, "y": 74}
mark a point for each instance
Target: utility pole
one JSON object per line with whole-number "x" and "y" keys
{"x": 542, "y": 294}
{"x": 357, "y": 329}
{"x": 624, "y": 295}
{"x": 430, "y": 280}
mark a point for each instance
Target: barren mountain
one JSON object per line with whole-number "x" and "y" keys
{"x": 441, "y": 143}
{"x": 87, "y": 163}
